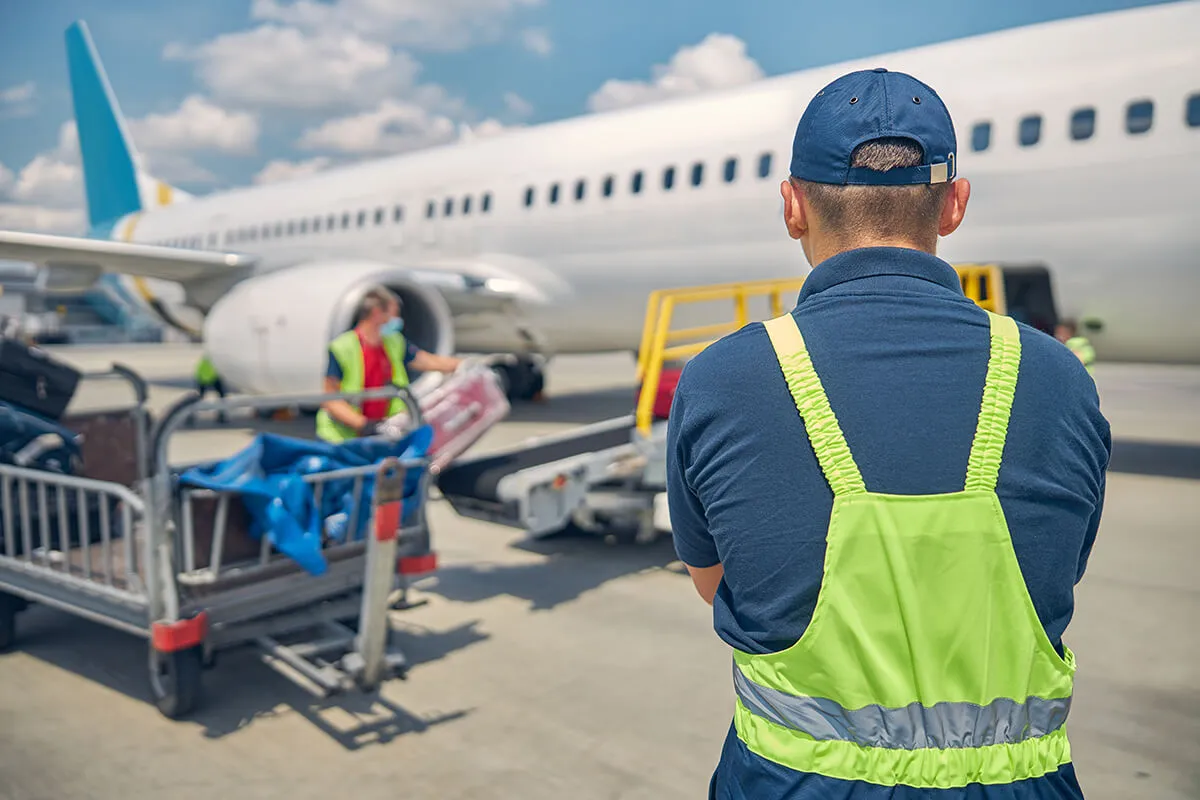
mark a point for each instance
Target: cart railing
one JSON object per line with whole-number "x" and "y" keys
{"x": 74, "y": 531}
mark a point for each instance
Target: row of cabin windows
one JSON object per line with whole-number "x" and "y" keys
{"x": 278, "y": 230}
{"x": 1139, "y": 118}
{"x": 637, "y": 181}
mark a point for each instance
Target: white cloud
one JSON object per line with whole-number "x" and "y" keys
{"x": 6, "y": 180}
{"x": 517, "y": 105}
{"x": 17, "y": 101}
{"x": 39, "y": 218}
{"x": 47, "y": 181}
{"x": 288, "y": 68}
{"x": 21, "y": 93}
{"x": 537, "y": 40}
{"x": 283, "y": 170}
{"x": 197, "y": 124}
{"x": 393, "y": 127}
{"x": 424, "y": 24}
{"x": 718, "y": 62}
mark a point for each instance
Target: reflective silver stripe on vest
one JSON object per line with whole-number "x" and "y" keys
{"x": 943, "y": 725}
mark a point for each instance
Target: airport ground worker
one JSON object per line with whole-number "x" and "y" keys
{"x": 887, "y": 494}
{"x": 371, "y": 355}
{"x": 208, "y": 380}
{"x": 1067, "y": 332}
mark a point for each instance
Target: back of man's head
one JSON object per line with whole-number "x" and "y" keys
{"x": 873, "y": 163}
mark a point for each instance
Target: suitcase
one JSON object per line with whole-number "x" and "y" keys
{"x": 31, "y": 379}
{"x": 460, "y": 410}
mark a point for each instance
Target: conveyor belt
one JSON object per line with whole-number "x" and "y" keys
{"x": 479, "y": 478}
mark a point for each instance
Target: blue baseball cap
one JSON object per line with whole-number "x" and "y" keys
{"x": 873, "y": 104}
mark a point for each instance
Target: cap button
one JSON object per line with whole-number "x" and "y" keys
{"x": 880, "y": 69}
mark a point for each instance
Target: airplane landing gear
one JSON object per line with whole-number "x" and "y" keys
{"x": 521, "y": 377}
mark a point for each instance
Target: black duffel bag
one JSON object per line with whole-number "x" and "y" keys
{"x": 31, "y": 379}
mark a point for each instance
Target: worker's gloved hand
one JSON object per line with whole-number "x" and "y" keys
{"x": 370, "y": 429}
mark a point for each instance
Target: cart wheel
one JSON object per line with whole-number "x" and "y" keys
{"x": 9, "y": 606}
{"x": 175, "y": 680}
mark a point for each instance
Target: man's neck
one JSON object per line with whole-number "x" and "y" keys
{"x": 828, "y": 249}
{"x": 369, "y": 333}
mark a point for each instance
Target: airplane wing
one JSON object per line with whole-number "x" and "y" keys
{"x": 93, "y": 257}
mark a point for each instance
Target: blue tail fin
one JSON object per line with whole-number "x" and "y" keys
{"x": 109, "y": 170}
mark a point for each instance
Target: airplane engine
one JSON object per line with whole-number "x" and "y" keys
{"x": 270, "y": 333}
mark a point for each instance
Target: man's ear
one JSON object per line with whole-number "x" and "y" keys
{"x": 794, "y": 215}
{"x": 954, "y": 207}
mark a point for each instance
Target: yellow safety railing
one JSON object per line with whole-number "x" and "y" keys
{"x": 661, "y": 344}
{"x": 982, "y": 283}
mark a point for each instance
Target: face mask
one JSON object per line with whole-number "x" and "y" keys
{"x": 393, "y": 325}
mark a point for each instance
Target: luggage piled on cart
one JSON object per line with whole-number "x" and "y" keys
{"x": 199, "y": 560}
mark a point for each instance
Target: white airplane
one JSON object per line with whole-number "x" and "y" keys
{"x": 1081, "y": 138}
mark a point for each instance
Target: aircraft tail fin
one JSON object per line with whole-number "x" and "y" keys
{"x": 115, "y": 184}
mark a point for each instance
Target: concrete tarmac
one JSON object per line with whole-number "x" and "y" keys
{"x": 569, "y": 667}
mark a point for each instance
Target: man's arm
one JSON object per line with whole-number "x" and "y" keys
{"x": 424, "y": 361}
{"x": 340, "y": 410}
{"x": 689, "y": 524}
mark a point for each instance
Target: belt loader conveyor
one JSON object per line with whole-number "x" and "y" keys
{"x": 602, "y": 477}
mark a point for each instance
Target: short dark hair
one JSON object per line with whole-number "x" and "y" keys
{"x": 893, "y": 211}
{"x": 375, "y": 297}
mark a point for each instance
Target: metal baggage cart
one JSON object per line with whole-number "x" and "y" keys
{"x": 176, "y": 565}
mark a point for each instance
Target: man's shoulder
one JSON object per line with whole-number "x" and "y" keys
{"x": 730, "y": 361}
{"x": 1046, "y": 360}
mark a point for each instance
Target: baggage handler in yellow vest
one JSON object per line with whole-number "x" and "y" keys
{"x": 372, "y": 354}
{"x": 887, "y": 494}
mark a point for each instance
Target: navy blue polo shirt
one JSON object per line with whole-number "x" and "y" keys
{"x": 902, "y": 355}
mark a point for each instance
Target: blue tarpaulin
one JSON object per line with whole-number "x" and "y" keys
{"x": 268, "y": 476}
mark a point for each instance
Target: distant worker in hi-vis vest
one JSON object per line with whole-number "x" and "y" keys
{"x": 371, "y": 355}
{"x": 1067, "y": 332}
{"x": 887, "y": 494}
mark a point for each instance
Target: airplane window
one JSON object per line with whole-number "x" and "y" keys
{"x": 448, "y": 207}
{"x": 254, "y": 234}
{"x": 379, "y": 216}
{"x": 346, "y": 219}
{"x": 529, "y": 197}
{"x": 291, "y": 228}
{"x": 266, "y": 231}
{"x": 230, "y": 236}
{"x": 1083, "y": 124}
{"x": 730, "y": 170}
{"x": 1139, "y": 116}
{"x": 430, "y": 209}
{"x": 1030, "y": 130}
{"x": 668, "y": 178}
{"x": 981, "y": 136}
{"x": 397, "y": 213}
{"x": 635, "y": 186}
{"x": 303, "y": 226}
{"x": 331, "y": 223}
{"x": 1193, "y": 111}
{"x": 764, "y": 165}
{"x": 697, "y": 173}
{"x": 212, "y": 240}
{"x": 554, "y": 194}
{"x": 608, "y": 186}
{"x": 316, "y": 224}
{"x": 278, "y": 229}
{"x": 467, "y": 204}
{"x": 362, "y": 218}
{"x": 485, "y": 205}
{"x": 580, "y": 188}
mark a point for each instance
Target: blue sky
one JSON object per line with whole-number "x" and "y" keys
{"x": 228, "y": 92}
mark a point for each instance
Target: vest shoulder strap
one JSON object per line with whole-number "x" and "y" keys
{"x": 1004, "y": 361}
{"x": 824, "y": 431}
